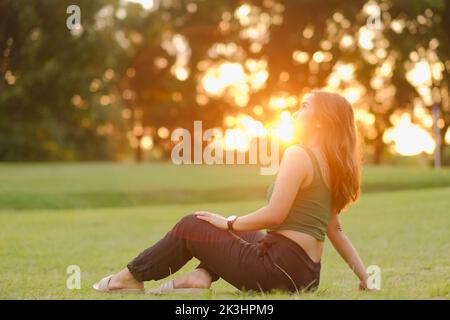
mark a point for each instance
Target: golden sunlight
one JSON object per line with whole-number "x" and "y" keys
{"x": 252, "y": 127}
{"x": 284, "y": 128}
{"x": 236, "y": 139}
{"x": 146, "y": 142}
{"x": 409, "y": 139}
{"x": 146, "y": 4}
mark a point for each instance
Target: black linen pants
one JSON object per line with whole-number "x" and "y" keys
{"x": 252, "y": 260}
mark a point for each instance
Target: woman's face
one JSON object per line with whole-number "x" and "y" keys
{"x": 304, "y": 117}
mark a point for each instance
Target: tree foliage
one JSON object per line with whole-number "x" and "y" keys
{"x": 90, "y": 95}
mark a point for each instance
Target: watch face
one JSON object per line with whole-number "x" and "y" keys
{"x": 230, "y": 221}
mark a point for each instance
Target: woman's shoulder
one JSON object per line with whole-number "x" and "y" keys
{"x": 297, "y": 152}
{"x": 297, "y": 157}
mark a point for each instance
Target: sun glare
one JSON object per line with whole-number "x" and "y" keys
{"x": 146, "y": 4}
{"x": 408, "y": 138}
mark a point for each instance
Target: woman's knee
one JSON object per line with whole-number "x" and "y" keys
{"x": 189, "y": 219}
{"x": 188, "y": 222}
{"x": 190, "y": 228}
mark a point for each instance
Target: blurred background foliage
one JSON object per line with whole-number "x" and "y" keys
{"x": 116, "y": 87}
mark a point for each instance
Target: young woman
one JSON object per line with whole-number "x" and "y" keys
{"x": 315, "y": 182}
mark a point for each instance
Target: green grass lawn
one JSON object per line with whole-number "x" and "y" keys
{"x": 99, "y": 216}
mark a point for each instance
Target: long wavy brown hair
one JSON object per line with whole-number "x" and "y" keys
{"x": 338, "y": 138}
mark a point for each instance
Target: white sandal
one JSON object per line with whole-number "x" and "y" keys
{"x": 167, "y": 288}
{"x": 102, "y": 286}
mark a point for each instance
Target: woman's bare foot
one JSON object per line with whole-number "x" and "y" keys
{"x": 198, "y": 278}
{"x": 124, "y": 280}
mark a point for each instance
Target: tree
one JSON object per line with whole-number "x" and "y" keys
{"x": 48, "y": 108}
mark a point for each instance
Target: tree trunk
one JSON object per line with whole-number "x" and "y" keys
{"x": 379, "y": 150}
{"x": 442, "y": 146}
{"x": 138, "y": 150}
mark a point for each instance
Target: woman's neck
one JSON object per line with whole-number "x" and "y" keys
{"x": 312, "y": 142}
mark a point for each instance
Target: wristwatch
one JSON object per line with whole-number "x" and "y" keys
{"x": 230, "y": 221}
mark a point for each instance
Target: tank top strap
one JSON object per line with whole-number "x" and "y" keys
{"x": 316, "y": 166}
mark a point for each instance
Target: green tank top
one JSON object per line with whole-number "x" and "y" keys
{"x": 311, "y": 209}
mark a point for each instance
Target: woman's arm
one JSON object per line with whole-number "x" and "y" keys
{"x": 291, "y": 174}
{"x": 344, "y": 247}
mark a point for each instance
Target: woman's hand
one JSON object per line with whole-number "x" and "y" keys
{"x": 363, "y": 286}
{"x": 213, "y": 218}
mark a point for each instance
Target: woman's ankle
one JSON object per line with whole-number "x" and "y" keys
{"x": 123, "y": 280}
{"x": 199, "y": 278}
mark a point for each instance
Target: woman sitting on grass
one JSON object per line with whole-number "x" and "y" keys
{"x": 317, "y": 179}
